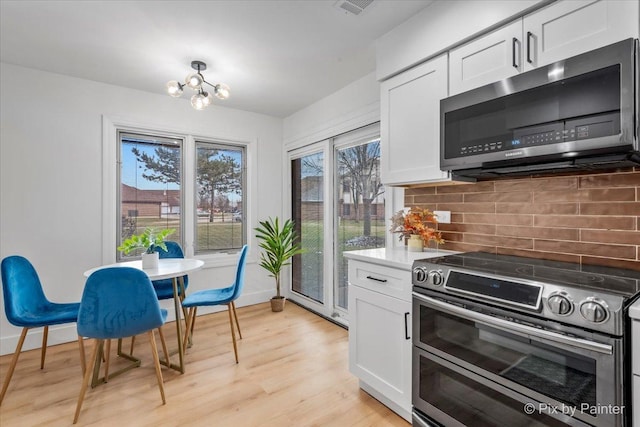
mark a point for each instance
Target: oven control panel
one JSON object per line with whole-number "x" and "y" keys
{"x": 576, "y": 306}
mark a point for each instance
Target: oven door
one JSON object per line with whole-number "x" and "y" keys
{"x": 559, "y": 374}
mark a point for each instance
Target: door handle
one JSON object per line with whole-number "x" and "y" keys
{"x": 376, "y": 279}
{"x": 406, "y": 326}
{"x": 529, "y": 36}
{"x": 514, "y": 42}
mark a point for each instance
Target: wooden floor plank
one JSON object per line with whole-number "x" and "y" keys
{"x": 293, "y": 371}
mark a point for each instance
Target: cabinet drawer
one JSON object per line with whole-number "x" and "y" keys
{"x": 386, "y": 280}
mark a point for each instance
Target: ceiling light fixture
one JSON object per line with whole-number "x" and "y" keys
{"x": 202, "y": 99}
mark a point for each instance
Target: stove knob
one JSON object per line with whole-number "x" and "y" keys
{"x": 420, "y": 274}
{"x": 594, "y": 310}
{"x": 560, "y": 304}
{"x": 435, "y": 277}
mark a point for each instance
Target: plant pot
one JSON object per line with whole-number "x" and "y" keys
{"x": 150, "y": 261}
{"x": 277, "y": 303}
{"x": 415, "y": 244}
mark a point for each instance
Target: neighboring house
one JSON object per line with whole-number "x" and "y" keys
{"x": 312, "y": 191}
{"x": 149, "y": 203}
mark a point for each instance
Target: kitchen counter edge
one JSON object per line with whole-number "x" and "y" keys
{"x": 396, "y": 257}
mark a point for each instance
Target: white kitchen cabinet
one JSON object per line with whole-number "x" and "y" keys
{"x": 410, "y": 124}
{"x": 558, "y": 31}
{"x": 490, "y": 58}
{"x": 380, "y": 336}
{"x": 570, "y": 27}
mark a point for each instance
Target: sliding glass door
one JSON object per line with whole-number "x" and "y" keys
{"x": 359, "y": 206}
{"x": 338, "y": 205}
{"x": 307, "y": 208}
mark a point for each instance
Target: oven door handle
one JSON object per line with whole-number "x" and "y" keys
{"x": 529, "y": 331}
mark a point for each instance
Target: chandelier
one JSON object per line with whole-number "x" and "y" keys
{"x": 201, "y": 99}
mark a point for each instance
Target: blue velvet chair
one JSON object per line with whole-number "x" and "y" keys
{"x": 219, "y": 296}
{"x": 118, "y": 302}
{"x": 26, "y": 305}
{"x": 164, "y": 287}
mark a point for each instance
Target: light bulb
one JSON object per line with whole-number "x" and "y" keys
{"x": 222, "y": 91}
{"x": 194, "y": 81}
{"x": 174, "y": 88}
{"x": 207, "y": 98}
{"x": 198, "y": 101}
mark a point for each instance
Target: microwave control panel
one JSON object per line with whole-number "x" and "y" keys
{"x": 550, "y": 133}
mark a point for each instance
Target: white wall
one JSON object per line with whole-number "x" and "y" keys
{"x": 349, "y": 108}
{"x": 51, "y": 178}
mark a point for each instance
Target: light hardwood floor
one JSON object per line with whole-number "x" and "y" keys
{"x": 293, "y": 371}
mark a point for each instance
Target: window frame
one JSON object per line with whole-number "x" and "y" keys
{"x": 110, "y": 127}
{"x": 165, "y": 141}
{"x": 222, "y": 145}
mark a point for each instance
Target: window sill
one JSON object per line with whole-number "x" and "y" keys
{"x": 219, "y": 259}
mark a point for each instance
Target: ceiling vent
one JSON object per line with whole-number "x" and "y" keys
{"x": 352, "y": 7}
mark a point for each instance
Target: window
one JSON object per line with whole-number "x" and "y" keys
{"x": 149, "y": 185}
{"x": 220, "y": 184}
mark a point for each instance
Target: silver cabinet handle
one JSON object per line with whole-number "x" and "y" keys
{"x": 528, "y": 331}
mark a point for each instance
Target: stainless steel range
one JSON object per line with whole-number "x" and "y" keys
{"x": 512, "y": 341}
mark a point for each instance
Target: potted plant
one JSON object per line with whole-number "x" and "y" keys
{"x": 150, "y": 240}
{"x": 413, "y": 226}
{"x": 279, "y": 245}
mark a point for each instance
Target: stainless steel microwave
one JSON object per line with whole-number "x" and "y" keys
{"x": 576, "y": 114}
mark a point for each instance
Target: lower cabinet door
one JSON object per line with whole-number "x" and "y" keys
{"x": 380, "y": 343}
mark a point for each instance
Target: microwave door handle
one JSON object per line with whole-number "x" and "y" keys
{"x": 536, "y": 334}
{"x": 514, "y": 44}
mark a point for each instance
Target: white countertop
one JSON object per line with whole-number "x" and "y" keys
{"x": 397, "y": 258}
{"x": 634, "y": 310}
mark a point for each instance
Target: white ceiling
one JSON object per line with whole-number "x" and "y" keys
{"x": 277, "y": 56}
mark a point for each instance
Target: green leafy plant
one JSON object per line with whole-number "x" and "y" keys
{"x": 279, "y": 245}
{"x": 149, "y": 240}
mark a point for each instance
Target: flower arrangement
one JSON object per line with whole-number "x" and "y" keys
{"x": 415, "y": 222}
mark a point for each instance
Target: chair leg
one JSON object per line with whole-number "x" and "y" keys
{"x": 87, "y": 376}
{"x": 188, "y": 330}
{"x": 83, "y": 361}
{"x": 233, "y": 305}
{"x": 12, "y": 366}
{"x": 45, "y": 336}
{"x": 233, "y": 332}
{"x": 156, "y": 361}
{"x": 164, "y": 345}
{"x": 133, "y": 341}
{"x": 106, "y": 362}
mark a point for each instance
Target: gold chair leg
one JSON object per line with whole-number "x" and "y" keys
{"x": 164, "y": 345}
{"x": 233, "y": 333}
{"x": 190, "y": 319}
{"x": 156, "y": 361}
{"x": 83, "y": 361}
{"x": 14, "y": 361}
{"x": 106, "y": 362}
{"x": 133, "y": 341}
{"x": 95, "y": 354}
{"x": 45, "y": 336}
{"x": 233, "y": 305}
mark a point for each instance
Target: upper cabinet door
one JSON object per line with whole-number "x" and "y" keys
{"x": 570, "y": 27}
{"x": 410, "y": 124}
{"x": 490, "y": 58}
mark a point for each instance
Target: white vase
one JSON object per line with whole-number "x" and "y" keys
{"x": 415, "y": 243}
{"x": 150, "y": 261}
